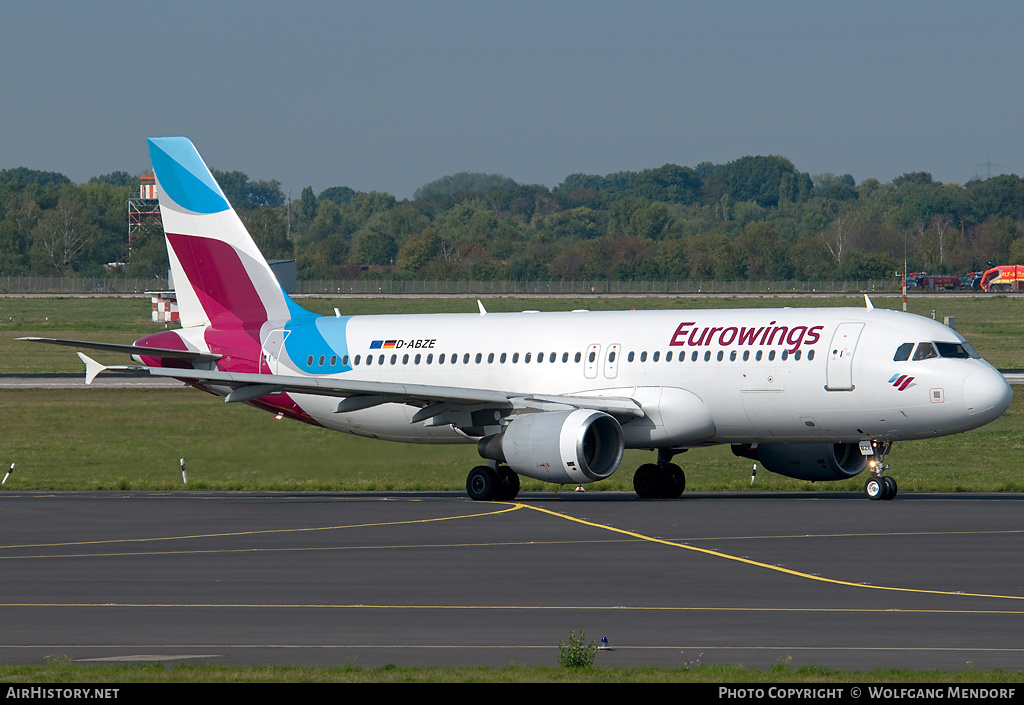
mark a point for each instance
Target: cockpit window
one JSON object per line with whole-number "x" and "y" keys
{"x": 952, "y": 350}
{"x": 925, "y": 351}
{"x": 967, "y": 346}
{"x": 903, "y": 352}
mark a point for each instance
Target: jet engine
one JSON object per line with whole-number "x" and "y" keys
{"x": 807, "y": 461}
{"x": 567, "y": 447}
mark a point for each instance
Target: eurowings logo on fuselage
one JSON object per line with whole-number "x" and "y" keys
{"x": 689, "y": 333}
{"x": 901, "y": 382}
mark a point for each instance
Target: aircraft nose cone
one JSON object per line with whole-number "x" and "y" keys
{"x": 987, "y": 395}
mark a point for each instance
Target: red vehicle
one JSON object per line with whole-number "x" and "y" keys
{"x": 1005, "y": 277}
{"x": 933, "y": 281}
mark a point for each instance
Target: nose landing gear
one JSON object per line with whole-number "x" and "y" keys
{"x": 880, "y": 486}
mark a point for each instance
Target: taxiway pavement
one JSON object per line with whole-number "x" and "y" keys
{"x": 923, "y": 581}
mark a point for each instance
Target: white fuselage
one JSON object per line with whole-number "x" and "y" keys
{"x": 701, "y": 376}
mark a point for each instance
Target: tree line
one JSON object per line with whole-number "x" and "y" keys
{"x": 757, "y": 217}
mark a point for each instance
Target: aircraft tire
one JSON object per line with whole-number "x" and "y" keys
{"x": 482, "y": 483}
{"x": 890, "y": 486}
{"x": 508, "y": 484}
{"x": 675, "y": 481}
{"x": 875, "y": 488}
{"x": 649, "y": 481}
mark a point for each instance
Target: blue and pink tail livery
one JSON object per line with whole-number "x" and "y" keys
{"x": 220, "y": 276}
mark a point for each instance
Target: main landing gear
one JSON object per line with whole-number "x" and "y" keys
{"x": 665, "y": 480}
{"x": 485, "y": 483}
{"x": 880, "y": 486}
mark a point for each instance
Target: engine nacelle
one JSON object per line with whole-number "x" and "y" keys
{"x": 807, "y": 461}
{"x": 567, "y": 447}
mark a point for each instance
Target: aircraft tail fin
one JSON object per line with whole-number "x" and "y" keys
{"x": 220, "y": 276}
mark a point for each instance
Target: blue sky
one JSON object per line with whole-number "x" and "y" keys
{"x": 389, "y": 95}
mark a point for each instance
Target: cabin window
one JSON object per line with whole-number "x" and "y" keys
{"x": 430, "y": 358}
{"x": 394, "y": 359}
{"x": 578, "y": 357}
{"x": 707, "y": 356}
{"x": 527, "y": 357}
{"x": 565, "y": 357}
{"x": 746, "y": 355}
{"x": 643, "y": 356}
{"x": 630, "y": 356}
{"x": 810, "y": 354}
{"x": 380, "y": 360}
{"x": 732, "y": 356}
{"x": 405, "y": 359}
{"x": 656, "y": 356}
{"x": 417, "y": 360}
{"x": 479, "y": 357}
{"x": 611, "y": 356}
{"x": 592, "y": 356}
{"x": 357, "y": 359}
{"x": 668, "y": 356}
{"x": 785, "y": 354}
{"x": 720, "y": 355}
{"x": 515, "y": 358}
{"x": 465, "y": 359}
{"x": 552, "y": 357}
{"x": 344, "y": 360}
{"x": 334, "y": 360}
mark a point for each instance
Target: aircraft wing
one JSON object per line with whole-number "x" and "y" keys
{"x": 360, "y": 394}
{"x": 189, "y": 355}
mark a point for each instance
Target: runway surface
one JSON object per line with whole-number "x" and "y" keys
{"x": 924, "y": 581}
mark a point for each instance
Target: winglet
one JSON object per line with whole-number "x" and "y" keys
{"x": 867, "y": 302}
{"x": 92, "y": 368}
{"x": 483, "y": 311}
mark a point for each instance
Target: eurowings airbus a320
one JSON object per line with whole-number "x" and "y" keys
{"x": 816, "y": 394}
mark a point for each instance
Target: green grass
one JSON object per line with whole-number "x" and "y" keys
{"x": 67, "y": 439}
{"x": 62, "y": 670}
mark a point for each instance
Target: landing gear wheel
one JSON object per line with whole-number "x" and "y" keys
{"x": 483, "y": 483}
{"x": 675, "y": 481}
{"x": 508, "y": 484}
{"x": 648, "y": 481}
{"x": 890, "y": 486}
{"x": 875, "y": 487}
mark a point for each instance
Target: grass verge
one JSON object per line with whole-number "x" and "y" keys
{"x": 64, "y": 671}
